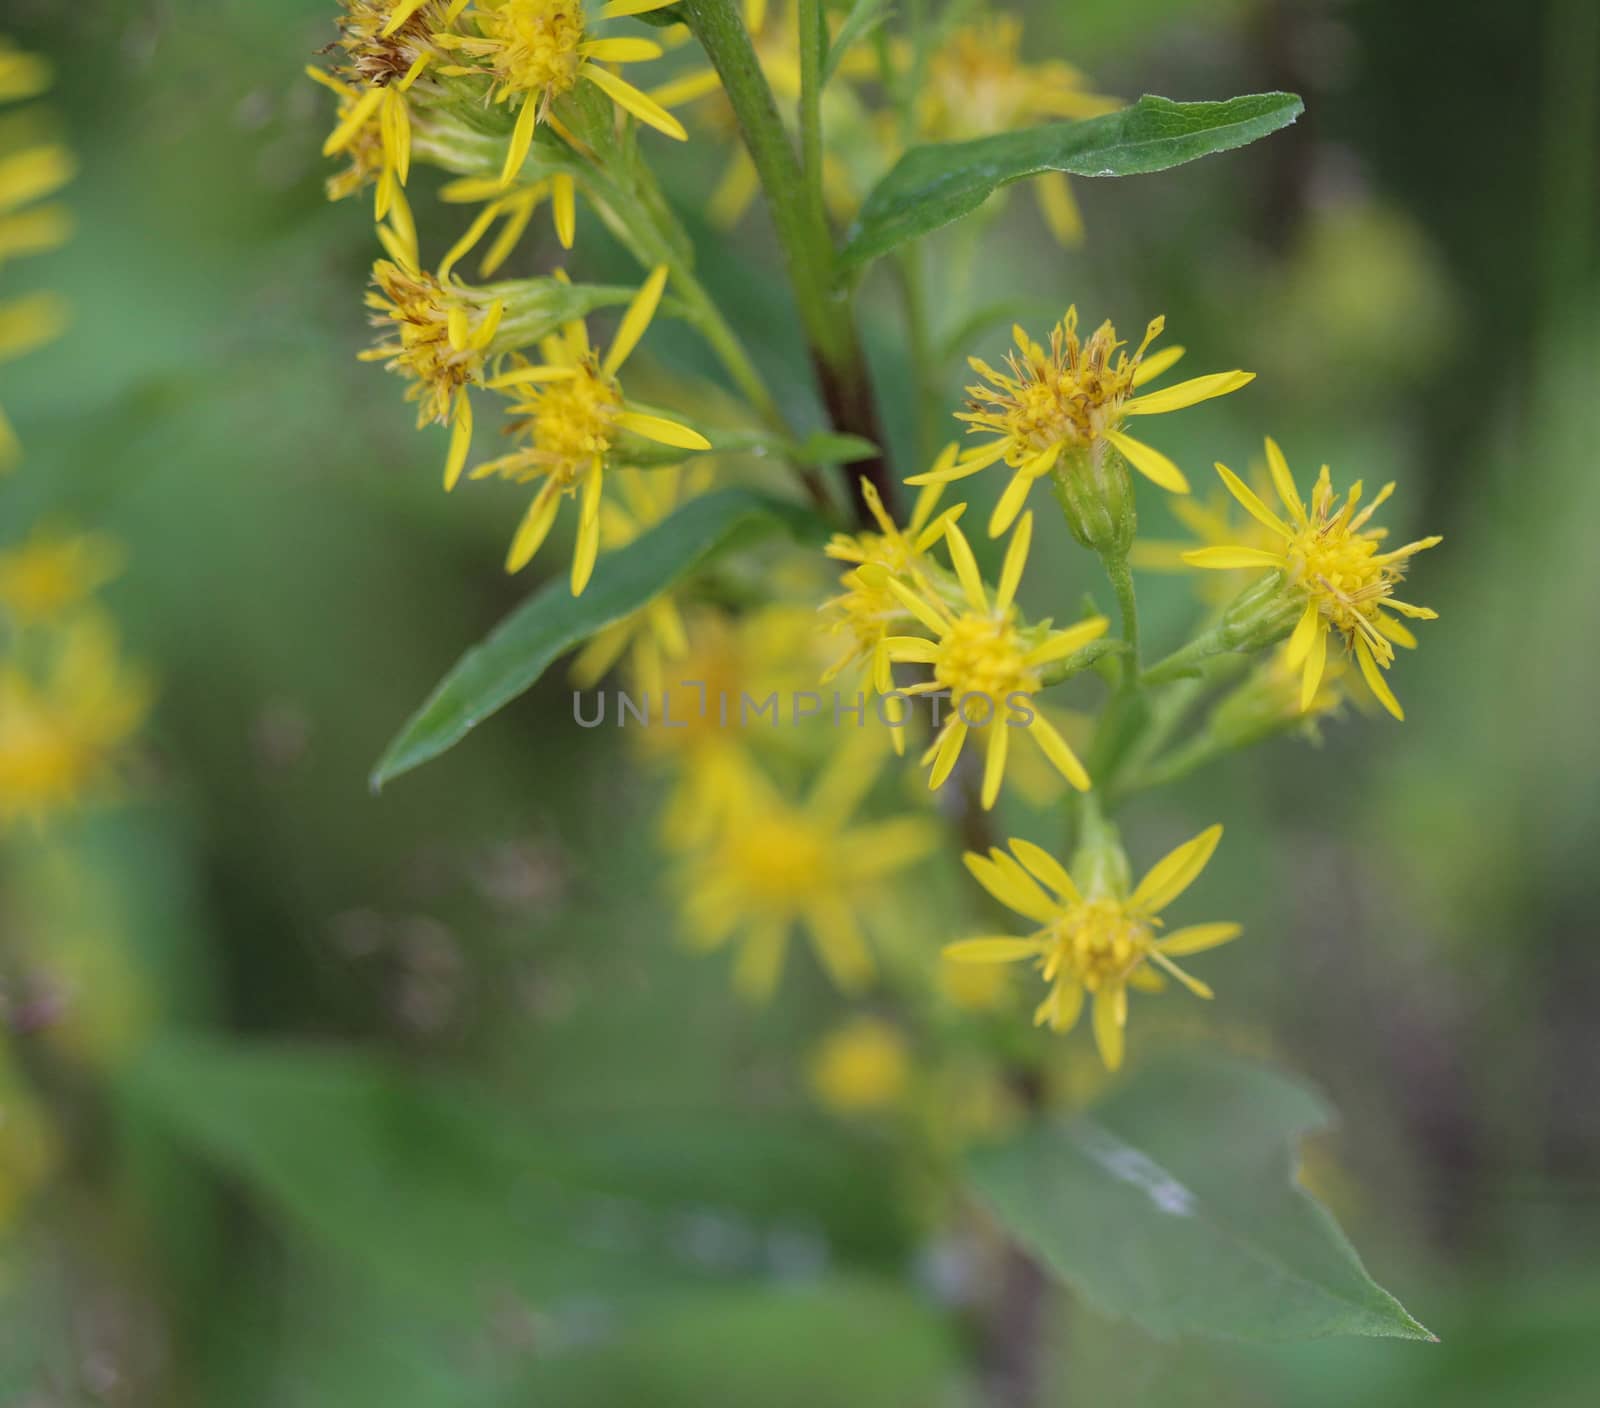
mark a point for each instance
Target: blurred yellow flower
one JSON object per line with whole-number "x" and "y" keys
{"x": 775, "y": 865}
{"x": 52, "y": 572}
{"x": 64, "y": 720}
{"x": 1072, "y": 398}
{"x": 1098, "y": 939}
{"x": 861, "y": 1067}
{"x": 977, "y": 83}
{"x": 1328, "y": 556}
{"x": 982, "y": 651}
{"x": 28, "y": 175}
{"x": 535, "y": 51}
{"x": 571, "y": 410}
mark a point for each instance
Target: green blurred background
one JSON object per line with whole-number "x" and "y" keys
{"x": 1412, "y": 268}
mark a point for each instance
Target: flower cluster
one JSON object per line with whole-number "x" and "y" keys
{"x": 947, "y": 637}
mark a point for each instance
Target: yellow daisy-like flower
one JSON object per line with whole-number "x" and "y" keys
{"x": 1072, "y": 399}
{"x": 861, "y": 1067}
{"x": 867, "y": 610}
{"x": 1329, "y": 556}
{"x": 982, "y": 652}
{"x": 537, "y": 50}
{"x": 372, "y": 131}
{"x": 52, "y": 572}
{"x": 977, "y": 83}
{"x": 1094, "y": 939}
{"x": 654, "y": 634}
{"x": 441, "y": 336}
{"x": 63, "y": 723}
{"x": 29, "y": 176}
{"x": 775, "y": 865}
{"x": 571, "y": 411}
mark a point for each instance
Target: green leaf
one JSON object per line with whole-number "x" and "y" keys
{"x": 438, "y": 1188}
{"x": 1173, "y": 1202}
{"x": 553, "y": 621}
{"x": 932, "y": 185}
{"x": 864, "y": 17}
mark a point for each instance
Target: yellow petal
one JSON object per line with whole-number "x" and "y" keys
{"x": 992, "y": 950}
{"x": 1198, "y": 937}
{"x": 1311, "y": 676}
{"x": 627, "y": 50}
{"x": 1151, "y": 463}
{"x": 1283, "y": 481}
{"x": 534, "y": 528}
{"x": 641, "y": 105}
{"x": 1011, "y": 502}
{"x": 1187, "y": 393}
{"x": 1151, "y": 367}
{"x": 521, "y": 139}
{"x": 1016, "y": 559}
{"x": 1055, "y": 748}
{"x": 1300, "y": 642}
{"x": 564, "y": 207}
{"x": 636, "y": 320}
{"x": 1013, "y": 888}
{"x": 966, "y": 568}
{"x": 1375, "y": 680}
{"x": 1110, "y": 1012}
{"x": 1251, "y": 504}
{"x": 1047, "y": 868}
{"x": 1170, "y": 876}
{"x": 663, "y": 431}
{"x": 1232, "y": 557}
{"x": 994, "y": 764}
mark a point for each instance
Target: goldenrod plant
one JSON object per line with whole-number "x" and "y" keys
{"x": 778, "y": 708}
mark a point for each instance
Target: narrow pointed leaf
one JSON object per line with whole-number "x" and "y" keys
{"x": 932, "y": 185}
{"x": 517, "y": 652}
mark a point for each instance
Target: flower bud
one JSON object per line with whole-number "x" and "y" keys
{"x": 1095, "y": 494}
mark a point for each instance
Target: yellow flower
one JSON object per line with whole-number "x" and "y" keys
{"x": 439, "y": 334}
{"x": 655, "y": 633}
{"x": 983, "y": 652}
{"x": 1328, "y": 556}
{"x": 774, "y": 865}
{"x": 52, "y": 572}
{"x": 976, "y": 84}
{"x": 1072, "y": 400}
{"x": 867, "y": 610}
{"x": 1096, "y": 939}
{"x": 372, "y": 129}
{"x": 535, "y": 51}
{"x": 27, "y": 176}
{"x": 861, "y": 1067}
{"x": 63, "y": 723}
{"x": 571, "y": 411}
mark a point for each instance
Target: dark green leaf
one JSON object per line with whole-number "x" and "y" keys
{"x": 440, "y": 1188}
{"x": 1173, "y": 1202}
{"x": 552, "y": 620}
{"x": 932, "y": 185}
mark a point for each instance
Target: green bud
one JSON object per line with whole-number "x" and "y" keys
{"x": 1096, "y": 496}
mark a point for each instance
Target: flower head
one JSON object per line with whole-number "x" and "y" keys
{"x": 989, "y": 662}
{"x": 774, "y": 865}
{"x": 52, "y": 572}
{"x": 978, "y": 83}
{"x": 867, "y": 610}
{"x": 1329, "y": 558}
{"x": 535, "y": 51}
{"x": 440, "y": 335}
{"x": 861, "y": 1067}
{"x": 1070, "y": 401}
{"x": 64, "y": 719}
{"x": 569, "y": 412}
{"x": 1094, "y": 937}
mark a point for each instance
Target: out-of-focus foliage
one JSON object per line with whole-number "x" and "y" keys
{"x": 311, "y": 1097}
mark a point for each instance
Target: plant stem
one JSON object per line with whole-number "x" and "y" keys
{"x": 825, "y": 311}
{"x": 1128, "y": 608}
{"x": 813, "y": 40}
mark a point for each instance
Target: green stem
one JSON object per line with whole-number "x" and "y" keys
{"x": 813, "y": 41}
{"x": 825, "y": 309}
{"x": 924, "y": 361}
{"x": 1128, "y": 608}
